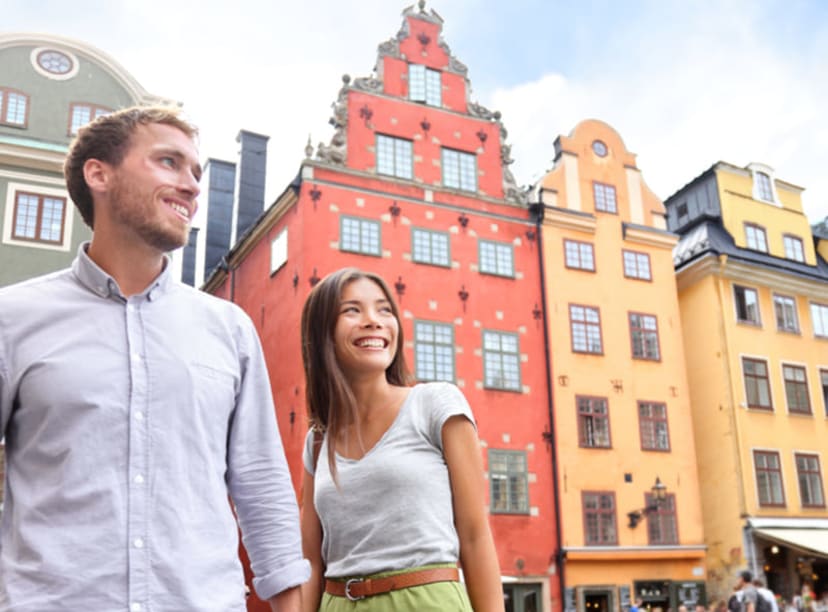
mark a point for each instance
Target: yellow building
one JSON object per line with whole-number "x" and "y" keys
{"x": 753, "y": 293}
{"x": 621, "y": 399}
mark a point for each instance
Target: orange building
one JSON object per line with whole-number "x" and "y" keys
{"x": 415, "y": 186}
{"x": 621, "y": 399}
{"x": 753, "y": 282}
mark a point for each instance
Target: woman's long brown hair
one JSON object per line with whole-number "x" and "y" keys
{"x": 330, "y": 400}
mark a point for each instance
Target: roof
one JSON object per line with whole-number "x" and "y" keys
{"x": 709, "y": 236}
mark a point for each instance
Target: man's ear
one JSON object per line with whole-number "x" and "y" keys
{"x": 97, "y": 175}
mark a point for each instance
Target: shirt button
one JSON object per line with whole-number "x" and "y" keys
{"x": 136, "y": 607}
{"x": 139, "y": 479}
{"x": 138, "y": 543}
{"x": 139, "y": 416}
{"x": 136, "y": 357}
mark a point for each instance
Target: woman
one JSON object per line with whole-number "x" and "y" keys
{"x": 393, "y": 493}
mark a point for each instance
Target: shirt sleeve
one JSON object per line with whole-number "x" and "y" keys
{"x": 5, "y": 387}
{"x": 259, "y": 479}
{"x": 445, "y": 401}
{"x": 307, "y": 453}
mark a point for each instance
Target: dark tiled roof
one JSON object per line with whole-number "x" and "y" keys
{"x": 710, "y": 237}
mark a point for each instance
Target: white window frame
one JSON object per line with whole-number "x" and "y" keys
{"x": 459, "y": 169}
{"x": 278, "y": 251}
{"x": 425, "y": 85}
{"x": 68, "y": 217}
{"x": 396, "y": 152}
{"x": 436, "y": 350}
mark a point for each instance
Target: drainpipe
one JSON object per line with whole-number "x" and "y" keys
{"x": 560, "y": 555}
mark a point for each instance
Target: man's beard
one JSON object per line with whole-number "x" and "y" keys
{"x": 135, "y": 208}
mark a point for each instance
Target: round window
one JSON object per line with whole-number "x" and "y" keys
{"x": 54, "y": 62}
{"x": 599, "y": 148}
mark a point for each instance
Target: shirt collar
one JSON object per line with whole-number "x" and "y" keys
{"x": 96, "y": 280}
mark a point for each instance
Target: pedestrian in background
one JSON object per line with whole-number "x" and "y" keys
{"x": 393, "y": 489}
{"x": 132, "y": 405}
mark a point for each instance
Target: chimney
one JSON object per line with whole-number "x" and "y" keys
{"x": 221, "y": 181}
{"x": 251, "y": 180}
{"x": 188, "y": 264}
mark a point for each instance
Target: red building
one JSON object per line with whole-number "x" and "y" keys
{"x": 415, "y": 186}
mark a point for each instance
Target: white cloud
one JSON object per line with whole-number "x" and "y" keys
{"x": 683, "y": 104}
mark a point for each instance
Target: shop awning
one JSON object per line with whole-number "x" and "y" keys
{"x": 813, "y": 541}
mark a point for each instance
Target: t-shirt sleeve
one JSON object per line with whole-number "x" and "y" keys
{"x": 307, "y": 453}
{"x": 445, "y": 400}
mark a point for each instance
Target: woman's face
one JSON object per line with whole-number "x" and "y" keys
{"x": 365, "y": 336}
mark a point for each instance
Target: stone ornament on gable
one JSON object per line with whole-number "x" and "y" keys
{"x": 368, "y": 84}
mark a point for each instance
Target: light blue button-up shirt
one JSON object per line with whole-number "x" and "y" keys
{"x": 128, "y": 422}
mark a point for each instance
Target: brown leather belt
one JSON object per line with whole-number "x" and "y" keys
{"x": 360, "y": 588}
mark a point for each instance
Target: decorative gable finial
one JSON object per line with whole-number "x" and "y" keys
{"x": 421, "y": 4}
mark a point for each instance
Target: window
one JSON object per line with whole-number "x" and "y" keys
{"x": 637, "y": 265}
{"x": 819, "y": 319}
{"x": 497, "y": 258}
{"x": 785, "y": 309}
{"x": 764, "y": 189}
{"x": 810, "y": 480}
{"x": 747, "y": 305}
{"x": 756, "y": 238}
{"x": 768, "y": 478}
{"x": 459, "y": 170}
{"x": 599, "y": 518}
{"x": 434, "y": 351}
{"x": 501, "y": 361}
{"x": 359, "y": 236}
{"x": 757, "y": 385}
{"x": 394, "y": 156}
{"x": 796, "y": 389}
{"x": 279, "y": 251}
{"x": 593, "y": 422}
{"x": 81, "y": 113}
{"x": 424, "y": 85}
{"x": 430, "y": 247}
{"x": 579, "y": 255}
{"x": 38, "y": 218}
{"x": 793, "y": 248}
{"x": 14, "y": 107}
{"x": 652, "y": 422}
{"x": 661, "y": 522}
{"x": 604, "y": 197}
{"x": 823, "y": 376}
{"x": 508, "y": 479}
{"x": 585, "y": 323}
{"x": 644, "y": 336}
{"x": 681, "y": 212}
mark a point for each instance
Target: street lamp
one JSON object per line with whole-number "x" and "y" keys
{"x": 658, "y": 493}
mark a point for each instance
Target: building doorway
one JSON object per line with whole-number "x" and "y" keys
{"x": 522, "y": 597}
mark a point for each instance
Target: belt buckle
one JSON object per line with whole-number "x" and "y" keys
{"x": 348, "y": 589}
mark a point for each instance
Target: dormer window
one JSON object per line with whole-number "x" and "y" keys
{"x": 763, "y": 187}
{"x": 793, "y": 247}
{"x": 14, "y": 107}
{"x": 424, "y": 85}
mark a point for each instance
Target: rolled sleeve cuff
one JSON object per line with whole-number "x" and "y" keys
{"x": 279, "y": 580}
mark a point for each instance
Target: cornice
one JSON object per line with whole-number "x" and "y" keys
{"x": 564, "y": 219}
{"x": 744, "y": 272}
{"x": 650, "y": 236}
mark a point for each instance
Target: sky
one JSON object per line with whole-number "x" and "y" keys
{"x": 685, "y": 83}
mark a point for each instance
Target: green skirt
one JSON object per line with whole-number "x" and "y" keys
{"x": 434, "y": 597}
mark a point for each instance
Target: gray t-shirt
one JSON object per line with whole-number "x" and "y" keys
{"x": 393, "y": 509}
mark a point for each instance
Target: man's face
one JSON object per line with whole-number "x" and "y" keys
{"x": 153, "y": 194}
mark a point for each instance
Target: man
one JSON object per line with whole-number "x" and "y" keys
{"x": 133, "y": 405}
{"x": 749, "y": 595}
{"x": 765, "y": 594}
